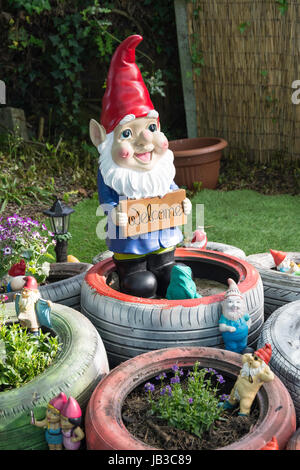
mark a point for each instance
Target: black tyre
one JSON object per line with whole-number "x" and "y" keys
{"x": 279, "y": 288}
{"x": 77, "y": 369}
{"x": 282, "y": 331}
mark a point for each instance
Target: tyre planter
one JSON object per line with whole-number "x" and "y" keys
{"x": 197, "y": 160}
{"x": 64, "y": 286}
{"x": 130, "y": 325}
{"x": 281, "y": 330}
{"x": 279, "y": 288}
{"x": 76, "y": 370}
{"x": 105, "y": 429}
{"x": 294, "y": 442}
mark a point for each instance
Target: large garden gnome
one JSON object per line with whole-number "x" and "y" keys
{"x": 134, "y": 163}
{"x": 234, "y": 323}
{"x": 254, "y": 373}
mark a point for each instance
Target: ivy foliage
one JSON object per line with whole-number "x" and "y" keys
{"x": 55, "y": 55}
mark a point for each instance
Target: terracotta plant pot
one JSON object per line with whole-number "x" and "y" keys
{"x": 197, "y": 160}
{"x": 105, "y": 429}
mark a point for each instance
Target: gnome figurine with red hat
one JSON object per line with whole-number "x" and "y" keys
{"x": 234, "y": 323}
{"x": 254, "y": 373}
{"x": 70, "y": 420}
{"x": 135, "y": 162}
{"x": 53, "y": 432}
{"x": 32, "y": 311}
{"x": 284, "y": 264}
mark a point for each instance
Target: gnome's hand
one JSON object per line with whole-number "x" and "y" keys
{"x": 119, "y": 218}
{"x": 187, "y": 206}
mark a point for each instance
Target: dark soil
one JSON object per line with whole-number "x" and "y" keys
{"x": 156, "y": 432}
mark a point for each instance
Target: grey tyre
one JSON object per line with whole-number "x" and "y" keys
{"x": 76, "y": 370}
{"x": 279, "y": 288}
{"x": 130, "y": 326}
{"x": 282, "y": 331}
{"x": 65, "y": 291}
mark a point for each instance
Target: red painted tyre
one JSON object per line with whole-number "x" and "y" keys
{"x": 130, "y": 325}
{"x": 105, "y": 429}
{"x": 294, "y": 442}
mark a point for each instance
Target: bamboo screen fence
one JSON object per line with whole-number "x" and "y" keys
{"x": 245, "y": 56}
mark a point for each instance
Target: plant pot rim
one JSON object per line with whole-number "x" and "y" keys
{"x": 96, "y": 279}
{"x": 275, "y": 404}
{"x": 192, "y": 147}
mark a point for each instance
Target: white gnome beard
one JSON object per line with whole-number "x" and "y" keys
{"x": 251, "y": 371}
{"x": 29, "y": 301}
{"x": 136, "y": 184}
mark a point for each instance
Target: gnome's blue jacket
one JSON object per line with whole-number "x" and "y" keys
{"x": 139, "y": 244}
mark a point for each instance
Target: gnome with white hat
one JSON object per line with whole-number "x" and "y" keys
{"x": 234, "y": 324}
{"x": 135, "y": 162}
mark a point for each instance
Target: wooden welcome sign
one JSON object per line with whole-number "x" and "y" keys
{"x": 151, "y": 214}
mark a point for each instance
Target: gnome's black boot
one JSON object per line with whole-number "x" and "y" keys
{"x": 161, "y": 266}
{"x": 134, "y": 278}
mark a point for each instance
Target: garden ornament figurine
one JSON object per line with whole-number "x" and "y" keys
{"x": 32, "y": 311}
{"x": 181, "y": 284}
{"x": 15, "y": 276}
{"x": 135, "y": 162}
{"x": 254, "y": 373}
{"x": 199, "y": 239}
{"x": 284, "y": 264}
{"x": 71, "y": 418}
{"x": 234, "y": 324}
{"x": 52, "y": 422}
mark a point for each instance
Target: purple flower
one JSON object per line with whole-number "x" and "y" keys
{"x": 220, "y": 379}
{"x": 149, "y": 387}
{"x": 163, "y": 391}
{"x": 175, "y": 368}
{"x": 7, "y": 250}
{"x": 224, "y": 397}
{"x": 169, "y": 390}
{"x": 175, "y": 380}
{"x": 161, "y": 376}
{"x": 210, "y": 370}
{"x": 191, "y": 400}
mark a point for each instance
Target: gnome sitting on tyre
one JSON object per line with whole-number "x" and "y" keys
{"x": 135, "y": 163}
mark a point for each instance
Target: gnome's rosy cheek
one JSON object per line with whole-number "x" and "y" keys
{"x": 160, "y": 142}
{"x": 122, "y": 153}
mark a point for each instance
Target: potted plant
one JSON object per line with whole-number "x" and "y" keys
{"x": 80, "y": 363}
{"x": 197, "y": 160}
{"x": 105, "y": 422}
{"x": 24, "y": 250}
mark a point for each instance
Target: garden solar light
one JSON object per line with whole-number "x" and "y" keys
{"x": 59, "y": 216}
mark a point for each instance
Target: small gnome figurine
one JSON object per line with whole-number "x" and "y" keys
{"x": 254, "y": 373}
{"x": 71, "y": 418}
{"x": 284, "y": 264}
{"x": 53, "y": 433}
{"x": 16, "y": 276}
{"x": 32, "y": 311}
{"x": 199, "y": 239}
{"x": 181, "y": 284}
{"x": 234, "y": 324}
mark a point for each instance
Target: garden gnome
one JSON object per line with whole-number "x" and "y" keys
{"x": 135, "y": 162}
{"x": 271, "y": 445}
{"x": 16, "y": 276}
{"x": 32, "y": 311}
{"x": 284, "y": 264}
{"x": 234, "y": 324}
{"x": 71, "y": 418}
{"x": 254, "y": 373}
{"x": 53, "y": 433}
{"x": 181, "y": 284}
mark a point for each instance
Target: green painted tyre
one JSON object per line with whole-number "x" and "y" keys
{"x": 76, "y": 370}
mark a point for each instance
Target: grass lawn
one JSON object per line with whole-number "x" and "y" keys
{"x": 247, "y": 219}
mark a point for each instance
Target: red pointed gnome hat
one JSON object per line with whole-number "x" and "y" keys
{"x": 71, "y": 409}
{"x": 271, "y": 445}
{"x": 265, "y": 353}
{"x": 30, "y": 283}
{"x": 278, "y": 256}
{"x": 18, "y": 269}
{"x": 125, "y": 91}
{"x": 58, "y": 402}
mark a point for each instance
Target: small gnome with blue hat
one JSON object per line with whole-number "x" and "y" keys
{"x": 181, "y": 284}
{"x": 234, "y": 323}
